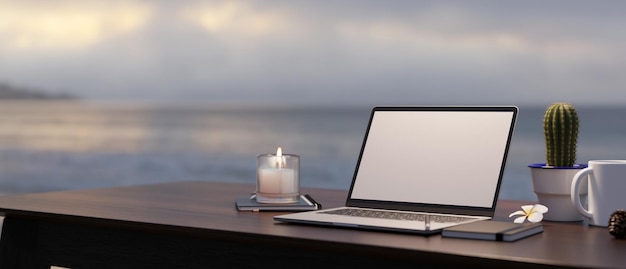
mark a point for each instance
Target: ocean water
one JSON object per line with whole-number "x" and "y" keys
{"x": 49, "y": 146}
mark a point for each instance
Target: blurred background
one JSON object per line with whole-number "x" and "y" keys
{"x": 113, "y": 93}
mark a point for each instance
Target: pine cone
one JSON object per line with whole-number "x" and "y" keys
{"x": 617, "y": 224}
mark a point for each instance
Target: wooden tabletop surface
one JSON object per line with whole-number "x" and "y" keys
{"x": 202, "y": 208}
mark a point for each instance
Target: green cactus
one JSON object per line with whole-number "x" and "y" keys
{"x": 560, "y": 126}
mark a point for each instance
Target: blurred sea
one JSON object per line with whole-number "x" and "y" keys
{"x": 49, "y": 146}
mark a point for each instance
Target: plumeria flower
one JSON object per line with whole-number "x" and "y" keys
{"x": 534, "y": 213}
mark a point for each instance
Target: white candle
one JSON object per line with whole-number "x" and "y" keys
{"x": 277, "y": 180}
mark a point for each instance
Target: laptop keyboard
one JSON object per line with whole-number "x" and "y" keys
{"x": 355, "y": 212}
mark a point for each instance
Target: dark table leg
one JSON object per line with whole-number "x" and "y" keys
{"x": 37, "y": 243}
{"x": 19, "y": 245}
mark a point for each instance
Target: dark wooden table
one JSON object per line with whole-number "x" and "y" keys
{"x": 196, "y": 225}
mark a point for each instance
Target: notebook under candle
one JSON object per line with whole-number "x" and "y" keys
{"x": 424, "y": 168}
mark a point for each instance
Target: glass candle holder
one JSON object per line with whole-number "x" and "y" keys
{"x": 278, "y": 178}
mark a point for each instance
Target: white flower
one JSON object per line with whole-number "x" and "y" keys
{"x": 534, "y": 213}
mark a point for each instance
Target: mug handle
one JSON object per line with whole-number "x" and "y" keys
{"x": 575, "y": 191}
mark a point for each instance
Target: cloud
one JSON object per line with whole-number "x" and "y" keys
{"x": 233, "y": 17}
{"x": 70, "y": 25}
{"x": 315, "y": 51}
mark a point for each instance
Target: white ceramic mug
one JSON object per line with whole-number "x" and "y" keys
{"x": 607, "y": 184}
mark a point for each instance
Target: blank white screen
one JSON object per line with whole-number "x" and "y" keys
{"x": 441, "y": 157}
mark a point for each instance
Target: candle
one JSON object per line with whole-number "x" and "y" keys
{"x": 277, "y": 178}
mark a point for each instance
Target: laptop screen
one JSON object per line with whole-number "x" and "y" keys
{"x": 434, "y": 155}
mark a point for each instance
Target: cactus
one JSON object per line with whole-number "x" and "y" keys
{"x": 560, "y": 125}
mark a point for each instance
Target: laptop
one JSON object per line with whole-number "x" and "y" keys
{"x": 424, "y": 168}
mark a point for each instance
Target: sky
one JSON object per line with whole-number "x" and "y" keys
{"x": 319, "y": 52}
